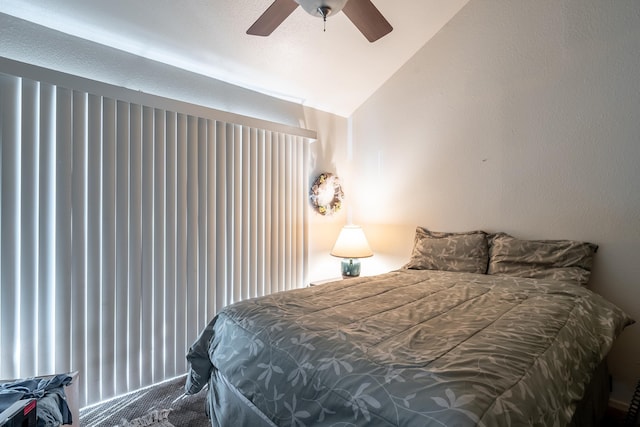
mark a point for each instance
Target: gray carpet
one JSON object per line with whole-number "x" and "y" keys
{"x": 184, "y": 411}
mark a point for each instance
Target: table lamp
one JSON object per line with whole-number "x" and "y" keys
{"x": 351, "y": 245}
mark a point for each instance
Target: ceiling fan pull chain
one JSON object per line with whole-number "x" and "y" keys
{"x": 324, "y": 11}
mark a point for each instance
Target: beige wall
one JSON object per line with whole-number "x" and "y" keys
{"x": 330, "y": 153}
{"x": 519, "y": 116}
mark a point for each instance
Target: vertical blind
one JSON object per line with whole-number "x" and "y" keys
{"x": 125, "y": 228}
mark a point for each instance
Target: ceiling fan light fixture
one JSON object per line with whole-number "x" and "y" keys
{"x": 321, "y": 7}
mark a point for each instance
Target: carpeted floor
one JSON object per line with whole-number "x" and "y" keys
{"x": 184, "y": 411}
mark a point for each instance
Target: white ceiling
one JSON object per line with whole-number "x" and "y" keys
{"x": 335, "y": 71}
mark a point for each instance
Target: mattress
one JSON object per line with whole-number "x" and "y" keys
{"x": 410, "y": 347}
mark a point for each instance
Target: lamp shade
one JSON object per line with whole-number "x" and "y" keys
{"x": 351, "y": 243}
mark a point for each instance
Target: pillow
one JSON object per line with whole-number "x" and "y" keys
{"x": 564, "y": 260}
{"x": 463, "y": 252}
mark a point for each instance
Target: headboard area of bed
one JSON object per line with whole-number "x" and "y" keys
{"x": 503, "y": 255}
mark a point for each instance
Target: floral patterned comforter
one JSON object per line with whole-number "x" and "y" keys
{"x": 412, "y": 347}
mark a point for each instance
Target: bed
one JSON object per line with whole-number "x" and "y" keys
{"x": 477, "y": 329}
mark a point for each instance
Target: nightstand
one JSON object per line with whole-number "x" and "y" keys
{"x": 322, "y": 282}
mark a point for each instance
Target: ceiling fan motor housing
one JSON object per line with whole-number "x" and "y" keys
{"x": 316, "y": 7}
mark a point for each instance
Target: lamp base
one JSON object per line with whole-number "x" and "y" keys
{"x": 350, "y": 268}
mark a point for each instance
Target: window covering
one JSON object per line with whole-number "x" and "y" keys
{"x": 125, "y": 226}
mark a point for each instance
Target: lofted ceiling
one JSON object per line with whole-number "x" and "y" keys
{"x": 334, "y": 70}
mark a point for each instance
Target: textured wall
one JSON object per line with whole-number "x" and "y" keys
{"x": 518, "y": 116}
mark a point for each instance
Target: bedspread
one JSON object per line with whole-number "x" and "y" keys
{"x": 412, "y": 347}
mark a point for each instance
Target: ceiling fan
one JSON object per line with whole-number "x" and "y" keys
{"x": 364, "y": 15}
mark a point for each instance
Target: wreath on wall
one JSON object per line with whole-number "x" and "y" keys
{"x": 326, "y": 194}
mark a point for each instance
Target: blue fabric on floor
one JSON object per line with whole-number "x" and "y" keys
{"x": 52, "y": 408}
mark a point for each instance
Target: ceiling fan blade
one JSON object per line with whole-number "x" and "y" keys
{"x": 272, "y": 17}
{"x": 367, "y": 18}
